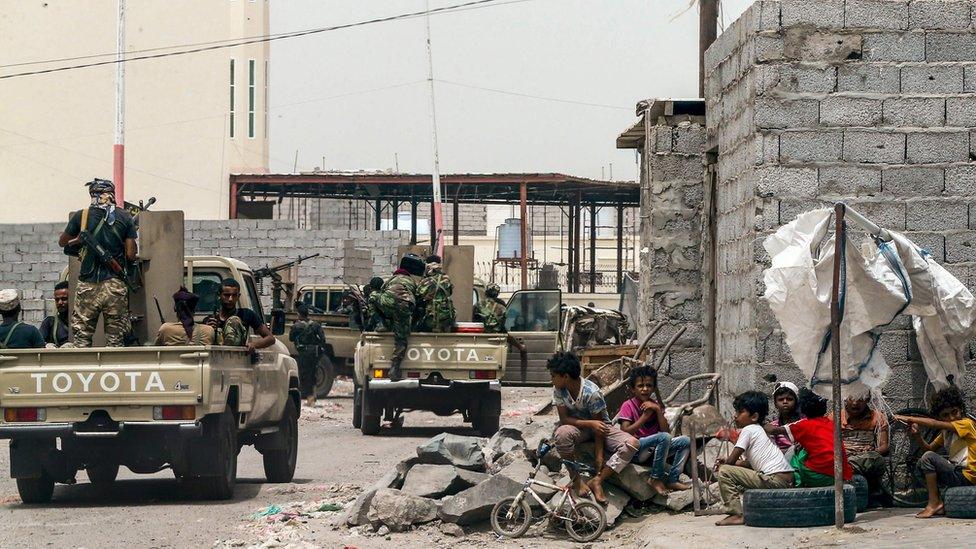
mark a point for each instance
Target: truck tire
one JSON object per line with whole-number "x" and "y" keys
{"x": 487, "y": 419}
{"x": 371, "y": 411}
{"x": 36, "y": 490}
{"x": 325, "y": 375}
{"x": 357, "y": 408}
{"x": 960, "y": 502}
{"x": 102, "y": 473}
{"x": 220, "y": 432}
{"x": 795, "y": 507}
{"x": 279, "y": 465}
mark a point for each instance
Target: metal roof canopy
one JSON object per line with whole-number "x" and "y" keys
{"x": 541, "y": 188}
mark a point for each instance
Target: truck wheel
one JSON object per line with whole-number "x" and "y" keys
{"x": 357, "y": 408}
{"x": 279, "y": 465}
{"x": 489, "y": 414}
{"x": 102, "y": 473}
{"x": 36, "y": 490}
{"x": 324, "y": 377}
{"x": 220, "y": 432}
{"x": 371, "y": 412}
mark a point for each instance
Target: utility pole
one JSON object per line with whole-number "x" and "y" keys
{"x": 118, "y": 149}
{"x": 437, "y": 242}
{"x": 707, "y": 32}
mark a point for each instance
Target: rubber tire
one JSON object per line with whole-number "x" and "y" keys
{"x": 325, "y": 375}
{"x": 795, "y": 507}
{"x": 102, "y": 473}
{"x": 357, "y": 408}
{"x": 279, "y": 465}
{"x": 960, "y": 502}
{"x": 522, "y": 529}
{"x": 489, "y": 415}
{"x": 601, "y": 514}
{"x": 371, "y": 413}
{"x": 221, "y": 432}
{"x": 861, "y": 490}
{"x": 36, "y": 490}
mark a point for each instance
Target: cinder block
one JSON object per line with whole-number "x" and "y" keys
{"x": 779, "y": 180}
{"x": 877, "y": 14}
{"x": 850, "y": 111}
{"x": 961, "y": 247}
{"x": 937, "y": 215}
{"x": 913, "y": 181}
{"x": 849, "y": 180}
{"x": 934, "y": 243}
{"x": 938, "y": 14}
{"x": 888, "y": 214}
{"x": 960, "y": 180}
{"x": 873, "y": 78}
{"x": 874, "y": 147}
{"x": 769, "y": 48}
{"x": 937, "y": 147}
{"x": 774, "y": 113}
{"x": 823, "y": 13}
{"x": 821, "y": 46}
{"x": 961, "y": 111}
{"x": 950, "y": 46}
{"x": 918, "y": 112}
{"x": 894, "y": 46}
{"x": 795, "y": 79}
{"x": 809, "y": 146}
{"x": 932, "y": 79}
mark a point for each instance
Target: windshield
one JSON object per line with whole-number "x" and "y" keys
{"x": 533, "y": 311}
{"x": 206, "y": 284}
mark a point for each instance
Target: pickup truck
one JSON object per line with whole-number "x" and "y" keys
{"x": 190, "y": 409}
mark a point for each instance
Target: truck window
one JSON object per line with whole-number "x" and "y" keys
{"x": 315, "y": 299}
{"x": 206, "y": 284}
{"x": 252, "y": 294}
{"x": 335, "y": 300}
{"x": 533, "y": 311}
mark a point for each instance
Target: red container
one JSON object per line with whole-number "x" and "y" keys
{"x": 470, "y": 328}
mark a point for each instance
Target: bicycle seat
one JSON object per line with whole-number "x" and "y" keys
{"x": 578, "y": 467}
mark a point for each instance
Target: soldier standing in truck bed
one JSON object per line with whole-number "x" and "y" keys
{"x": 435, "y": 292}
{"x": 54, "y": 329}
{"x": 394, "y": 306}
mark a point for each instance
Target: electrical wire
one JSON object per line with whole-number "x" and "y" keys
{"x": 539, "y": 97}
{"x": 217, "y": 45}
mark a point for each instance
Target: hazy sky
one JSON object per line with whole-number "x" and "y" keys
{"x": 606, "y": 52}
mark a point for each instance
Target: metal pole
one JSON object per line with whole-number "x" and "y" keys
{"x": 456, "y": 221}
{"x": 413, "y": 221}
{"x": 118, "y": 149}
{"x": 592, "y": 248}
{"x": 523, "y": 255}
{"x": 707, "y": 31}
{"x": 620, "y": 248}
{"x": 839, "y": 238}
{"x": 437, "y": 240}
{"x": 570, "y": 249}
{"x": 379, "y": 215}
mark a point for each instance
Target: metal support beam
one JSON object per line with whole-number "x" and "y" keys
{"x": 523, "y": 253}
{"x": 379, "y": 218}
{"x": 456, "y": 222}
{"x": 707, "y": 32}
{"x": 579, "y": 246}
{"x": 232, "y": 207}
{"x": 592, "y": 248}
{"x": 413, "y": 222}
{"x": 570, "y": 248}
{"x": 620, "y": 248}
{"x": 396, "y": 214}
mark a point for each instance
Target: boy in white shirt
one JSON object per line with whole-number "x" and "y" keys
{"x": 764, "y": 465}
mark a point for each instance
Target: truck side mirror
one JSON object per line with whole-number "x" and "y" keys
{"x": 277, "y": 322}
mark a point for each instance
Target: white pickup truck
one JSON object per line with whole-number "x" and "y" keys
{"x": 188, "y": 408}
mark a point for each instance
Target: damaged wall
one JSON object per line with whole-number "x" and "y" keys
{"x": 867, "y": 101}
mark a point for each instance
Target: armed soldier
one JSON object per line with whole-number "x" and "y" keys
{"x": 435, "y": 292}
{"x": 491, "y": 311}
{"x": 15, "y": 334}
{"x": 54, "y": 329}
{"x": 309, "y": 340}
{"x": 103, "y": 237}
{"x": 394, "y": 306}
{"x": 371, "y": 323}
{"x": 232, "y": 323}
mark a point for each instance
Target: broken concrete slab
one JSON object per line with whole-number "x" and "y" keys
{"x": 356, "y": 513}
{"x": 398, "y": 511}
{"x": 504, "y": 441}
{"x": 449, "y": 449}
{"x": 435, "y": 481}
{"x": 617, "y": 500}
{"x": 474, "y": 504}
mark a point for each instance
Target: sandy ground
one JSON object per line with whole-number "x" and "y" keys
{"x": 335, "y": 462}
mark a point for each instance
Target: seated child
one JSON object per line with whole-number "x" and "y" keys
{"x": 583, "y": 417}
{"x": 814, "y": 463}
{"x": 764, "y": 465}
{"x": 784, "y": 398}
{"x": 865, "y": 435}
{"x": 643, "y": 417}
{"x": 958, "y": 435}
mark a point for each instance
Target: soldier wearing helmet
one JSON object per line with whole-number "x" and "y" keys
{"x": 491, "y": 311}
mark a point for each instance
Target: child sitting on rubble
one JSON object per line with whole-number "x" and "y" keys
{"x": 958, "y": 436}
{"x": 764, "y": 465}
{"x": 784, "y": 399}
{"x": 814, "y": 461}
{"x": 643, "y": 417}
{"x": 583, "y": 417}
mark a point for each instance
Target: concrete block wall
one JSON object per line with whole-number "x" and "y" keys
{"x": 810, "y": 102}
{"x": 31, "y": 260}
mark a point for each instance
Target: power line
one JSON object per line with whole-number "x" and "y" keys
{"x": 539, "y": 97}
{"x": 217, "y": 45}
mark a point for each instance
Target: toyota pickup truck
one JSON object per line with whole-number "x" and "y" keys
{"x": 187, "y": 408}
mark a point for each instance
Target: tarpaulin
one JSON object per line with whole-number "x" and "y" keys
{"x": 879, "y": 281}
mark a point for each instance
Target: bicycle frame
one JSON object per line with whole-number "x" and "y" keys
{"x": 567, "y": 493}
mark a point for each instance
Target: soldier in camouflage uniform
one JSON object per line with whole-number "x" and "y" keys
{"x": 491, "y": 311}
{"x": 100, "y": 292}
{"x": 435, "y": 293}
{"x": 309, "y": 340}
{"x": 394, "y": 306}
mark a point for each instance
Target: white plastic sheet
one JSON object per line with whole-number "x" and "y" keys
{"x": 881, "y": 280}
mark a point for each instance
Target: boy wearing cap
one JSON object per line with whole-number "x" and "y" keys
{"x": 13, "y": 333}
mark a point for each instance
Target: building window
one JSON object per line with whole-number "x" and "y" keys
{"x": 232, "y": 98}
{"x": 250, "y": 98}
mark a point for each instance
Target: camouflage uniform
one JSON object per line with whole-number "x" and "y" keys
{"x": 394, "y": 305}
{"x": 435, "y": 290}
{"x": 491, "y": 312}
{"x": 233, "y": 333}
{"x": 92, "y": 299}
{"x": 309, "y": 340}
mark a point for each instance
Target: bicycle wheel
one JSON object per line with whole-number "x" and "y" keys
{"x": 586, "y": 521}
{"x": 511, "y": 517}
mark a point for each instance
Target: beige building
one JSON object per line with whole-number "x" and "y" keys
{"x": 190, "y": 119}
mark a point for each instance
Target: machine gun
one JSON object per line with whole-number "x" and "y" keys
{"x": 277, "y": 304}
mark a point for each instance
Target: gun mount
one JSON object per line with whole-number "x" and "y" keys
{"x": 277, "y": 287}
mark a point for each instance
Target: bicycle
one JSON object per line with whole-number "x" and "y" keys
{"x": 584, "y": 520}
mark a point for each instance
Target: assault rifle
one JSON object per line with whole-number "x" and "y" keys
{"x": 107, "y": 260}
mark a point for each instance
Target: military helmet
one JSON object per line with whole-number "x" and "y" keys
{"x": 98, "y": 186}
{"x": 413, "y": 264}
{"x": 492, "y": 290}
